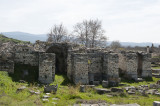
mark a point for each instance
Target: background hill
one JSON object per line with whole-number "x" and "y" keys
{"x": 4, "y": 39}
{"x": 26, "y": 36}
{"x": 33, "y": 37}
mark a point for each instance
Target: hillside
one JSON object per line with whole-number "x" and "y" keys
{"x": 4, "y": 39}
{"x": 42, "y": 37}
{"x": 26, "y": 36}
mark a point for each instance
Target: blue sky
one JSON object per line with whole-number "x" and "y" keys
{"x": 123, "y": 20}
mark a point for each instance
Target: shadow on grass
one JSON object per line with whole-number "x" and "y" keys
{"x": 147, "y": 79}
{"x": 25, "y": 72}
{"x": 127, "y": 80}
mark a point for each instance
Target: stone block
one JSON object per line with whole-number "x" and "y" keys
{"x": 50, "y": 88}
{"x": 104, "y": 84}
{"x": 116, "y": 90}
{"x": 102, "y": 91}
{"x": 96, "y": 82}
{"x": 156, "y": 103}
{"x": 82, "y": 88}
{"x": 46, "y": 67}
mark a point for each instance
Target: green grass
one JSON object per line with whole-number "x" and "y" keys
{"x": 5, "y": 39}
{"x": 156, "y": 67}
{"x": 68, "y": 93}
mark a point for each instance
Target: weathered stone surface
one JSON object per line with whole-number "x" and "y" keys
{"x": 82, "y": 88}
{"x": 96, "y": 82}
{"x": 45, "y": 100}
{"x": 55, "y": 98}
{"x": 126, "y": 105}
{"x": 156, "y": 103}
{"x": 158, "y": 82}
{"x": 116, "y": 90}
{"x": 46, "y": 96}
{"x": 140, "y": 79}
{"x": 50, "y": 88}
{"x": 82, "y": 65}
{"x": 152, "y": 91}
{"x": 154, "y": 86}
{"x": 46, "y": 67}
{"x": 102, "y": 91}
{"x": 131, "y": 92}
{"x": 98, "y": 104}
{"x": 21, "y": 88}
{"x": 105, "y": 84}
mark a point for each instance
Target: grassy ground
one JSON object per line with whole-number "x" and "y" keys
{"x": 5, "y": 39}
{"x": 156, "y": 67}
{"x": 67, "y": 93}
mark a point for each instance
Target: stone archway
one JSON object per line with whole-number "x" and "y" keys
{"x": 61, "y": 52}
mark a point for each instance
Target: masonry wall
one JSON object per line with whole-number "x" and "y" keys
{"x": 122, "y": 64}
{"x": 80, "y": 68}
{"x": 85, "y": 68}
{"x": 46, "y": 67}
{"x": 95, "y": 67}
{"x": 7, "y": 65}
{"x": 132, "y": 65}
{"x": 110, "y": 68}
{"x": 24, "y": 54}
{"x": 69, "y": 66}
{"x": 146, "y": 65}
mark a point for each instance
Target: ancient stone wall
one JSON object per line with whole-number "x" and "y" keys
{"x": 110, "y": 68}
{"x": 132, "y": 65}
{"x": 146, "y": 65}
{"x": 122, "y": 63}
{"x": 24, "y": 54}
{"x": 80, "y": 68}
{"x": 128, "y": 65}
{"x": 86, "y": 68}
{"x": 95, "y": 66}
{"x": 7, "y": 65}
{"x": 46, "y": 67}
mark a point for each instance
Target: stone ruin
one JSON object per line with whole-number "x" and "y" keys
{"x": 82, "y": 65}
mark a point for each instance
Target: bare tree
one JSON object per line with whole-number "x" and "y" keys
{"x": 57, "y": 33}
{"x": 82, "y": 30}
{"x": 97, "y": 37}
{"x": 115, "y": 45}
{"x": 90, "y": 33}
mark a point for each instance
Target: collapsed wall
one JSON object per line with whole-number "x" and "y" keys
{"x": 82, "y": 65}
{"x": 110, "y": 68}
{"x": 86, "y": 68}
{"x": 46, "y": 67}
{"x": 146, "y": 65}
{"x": 6, "y": 57}
{"x": 25, "y": 60}
{"x": 134, "y": 65}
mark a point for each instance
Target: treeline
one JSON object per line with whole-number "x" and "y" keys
{"x": 89, "y": 33}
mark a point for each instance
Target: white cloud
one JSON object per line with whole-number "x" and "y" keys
{"x": 124, "y": 20}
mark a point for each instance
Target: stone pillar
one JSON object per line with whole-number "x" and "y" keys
{"x": 69, "y": 66}
{"x": 80, "y": 69}
{"x": 132, "y": 65}
{"x": 110, "y": 68}
{"x": 146, "y": 65}
{"x": 156, "y": 103}
{"x": 113, "y": 74}
{"x": 148, "y": 49}
{"x": 46, "y": 67}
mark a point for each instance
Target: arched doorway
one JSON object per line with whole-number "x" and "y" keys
{"x": 60, "y": 51}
